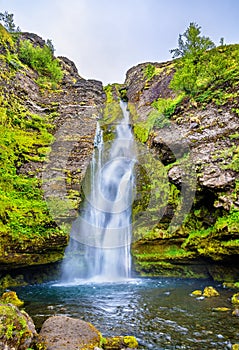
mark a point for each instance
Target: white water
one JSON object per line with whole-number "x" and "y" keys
{"x": 104, "y": 225}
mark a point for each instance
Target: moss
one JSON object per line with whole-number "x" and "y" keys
{"x": 197, "y": 293}
{"x": 14, "y": 328}
{"x": 235, "y": 299}
{"x": 8, "y": 281}
{"x": 209, "y": 292}
{"x": 12, "y": 298}
{"x": 5, "y": 38}
{"x": 117, "y": 343}
{"x": 221, "y": 309}
{"x": 24, "y": 215}
{"x": 130, "y": 342}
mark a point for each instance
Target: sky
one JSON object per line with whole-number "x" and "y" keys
{"x": 104, "y": 38}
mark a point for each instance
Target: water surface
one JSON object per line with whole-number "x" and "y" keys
{"x": 161, "y": 313}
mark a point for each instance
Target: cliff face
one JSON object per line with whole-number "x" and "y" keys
{"x": 186, "y": 210}
{"x": 47, "y": 137}
{"x": 196, "y": 145}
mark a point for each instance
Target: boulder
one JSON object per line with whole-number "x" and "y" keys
{"x": 62, "y": 332}
{"x": 17, "y": 330}
{"x": 210, "y": 292}
{"x": 235, "y": 299}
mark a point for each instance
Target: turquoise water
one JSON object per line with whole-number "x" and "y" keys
{"x": 161, "y": 313}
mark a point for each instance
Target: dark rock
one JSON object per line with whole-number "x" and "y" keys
{"x": 35, "y": 39}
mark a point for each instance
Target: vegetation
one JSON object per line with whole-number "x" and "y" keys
{"x": 203, "y": 70}
{"x": 191, "y": 44}
{"x": 41, "y": 60}
{"x": 25, "y": 138}
{"x": 166, "y": 109}
{"x": 23, "y": 213}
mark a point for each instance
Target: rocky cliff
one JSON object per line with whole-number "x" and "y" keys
{"x": 195, "y": 141}
{"x": 185, "y": 211}
{"x": 47, "y": 138}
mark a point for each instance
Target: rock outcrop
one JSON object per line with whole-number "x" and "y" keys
{"x": 198, "y": 149}
{"x": 49, "y": 138}
{"x": 17, "y": 330}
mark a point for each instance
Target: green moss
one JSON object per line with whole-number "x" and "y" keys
{"x": 235, "y": 299}
{"x": 5, "y": 38}
{"x": 12, "y": 298}
{"x": 13, "y": 326}
{"x": 166, "y": 109}
{"x": 24, "y": 215}
{"x": 119, "y": 342}
{"x": 130, "y": 342}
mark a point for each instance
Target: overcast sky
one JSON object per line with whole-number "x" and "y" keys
{"x": 106, "y": 37}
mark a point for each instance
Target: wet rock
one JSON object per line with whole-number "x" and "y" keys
{"x": 61, "y": 332}
{"x": 205, "y": 139}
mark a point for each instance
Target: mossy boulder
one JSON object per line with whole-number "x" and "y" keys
{"x": 209, "y": 292}
{"x": 64, "y": 333}
{"x": 117, "y": 343}
{"x": 197, "y": 293}
{"x": 17, "y": 330}
{"x": 8, "y": 281}
{"x": 235, "y": 347}
{"x": 235, "y": 299}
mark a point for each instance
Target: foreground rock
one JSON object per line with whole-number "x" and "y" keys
{"x": 61, "y": 332}
{"x": 17, "y": 330}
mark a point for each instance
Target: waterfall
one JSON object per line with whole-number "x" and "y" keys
{"x": 104, "y": 227}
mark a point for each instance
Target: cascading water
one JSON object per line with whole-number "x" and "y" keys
{"x": 103, "y": 227}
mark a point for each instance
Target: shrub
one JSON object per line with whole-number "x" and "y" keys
{"x": 41, "y": 60}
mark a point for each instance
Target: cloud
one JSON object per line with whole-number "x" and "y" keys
{"x": 106, "y": 37}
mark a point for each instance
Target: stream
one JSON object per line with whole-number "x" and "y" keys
{"x": 159, "y": 312}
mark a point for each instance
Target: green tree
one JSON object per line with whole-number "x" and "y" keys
{"x": 50, "y": 45}
{"x": 8, "y": 22}
{"x": 192, "y": 48}
{"x": 191, "y": 43}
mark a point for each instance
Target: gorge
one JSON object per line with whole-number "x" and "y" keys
{"x": 170, "y": 169}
